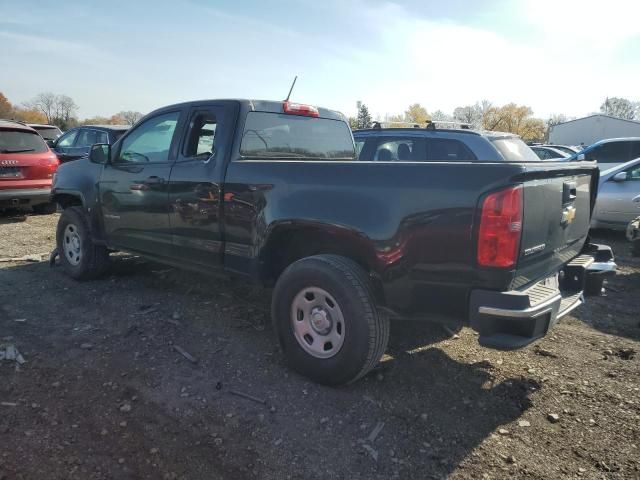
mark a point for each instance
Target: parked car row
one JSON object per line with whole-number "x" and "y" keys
{"x": 31, "y": 153}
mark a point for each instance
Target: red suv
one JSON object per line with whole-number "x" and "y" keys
{"x": 26, "y": 169}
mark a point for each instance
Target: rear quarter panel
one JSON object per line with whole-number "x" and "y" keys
{"x": 414, "y": 221}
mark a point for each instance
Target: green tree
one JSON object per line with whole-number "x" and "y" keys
{"x": 416, "y": 113}
{"x": 364, "y": 117}
{"x": 516, "y": 119}
{"x": 6, "y": 109}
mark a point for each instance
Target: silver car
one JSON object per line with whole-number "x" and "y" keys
{"x": 618, "y": 196}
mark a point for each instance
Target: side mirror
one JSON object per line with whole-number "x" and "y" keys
{"x": 100, "y": 153}
{"x": 51, "y": 143}
{"x": 581, "y": 157}
{"x": 620, "y": 177}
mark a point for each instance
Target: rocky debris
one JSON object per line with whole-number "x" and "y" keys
{"x": 126, "y": 407}
{"x": 543, "y": 352}
{"x": 371, "y": 451}
{"x": 185, "y": 354}
{"x": 248, "y": 396}
{"x": 10, "y": 353}
{"x": 145, "y": 310}
{"x": 553, "y": 417}
{"x": 503, "y": 431}
{"x": 86, "y": 346}
{"x": 35, "y": 257}
{"x": 524, "y": 423}
{"x": 375, "y": 432}
{"x": 626, "y": 353}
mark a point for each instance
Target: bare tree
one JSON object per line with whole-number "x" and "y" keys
{"x": 439, "y": 115}
{"x": 46, "y": 103}
{"x": 618, "y": 107}
{"x": 59, "y": 110}
{"x": 66, "y": 108}
{"x": 130, "y": 116}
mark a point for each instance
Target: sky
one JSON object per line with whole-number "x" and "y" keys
{"x": 556, "y": 56}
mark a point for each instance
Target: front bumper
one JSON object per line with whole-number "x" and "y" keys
{"x": 17, "y": 198}
{"x": 514, "y": 319}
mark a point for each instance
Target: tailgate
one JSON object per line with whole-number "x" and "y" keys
{"x": 558, "y": 200}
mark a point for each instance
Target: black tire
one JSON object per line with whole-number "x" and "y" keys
{"x": 93, "y": 260}
{"x": 45, "y": 208}
{"x": 366, "y": 330}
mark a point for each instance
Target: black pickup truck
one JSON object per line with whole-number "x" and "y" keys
{"x": 274, "y": 192}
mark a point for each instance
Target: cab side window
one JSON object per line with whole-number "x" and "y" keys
{"x": 633, "y": 174}
{"x": 87, "y": 137}
{"x": 151, "y": 141}
{"x": 67, "y": 139}
{"x": 399, "y": 150}
{"x": 448, "y": 150}
{"x": 612, "y": 152}
{"x": 201, "y": 136}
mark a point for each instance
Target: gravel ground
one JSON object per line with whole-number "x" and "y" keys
{"x": 141, "y": 375}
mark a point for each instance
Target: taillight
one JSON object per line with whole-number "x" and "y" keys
{"x": 300, "y": 109}
{"x": 500, "y": 228}
{"x": 52, "y": 165}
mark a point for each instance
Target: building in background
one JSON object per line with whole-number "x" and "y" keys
{"x": 588, "y": 130}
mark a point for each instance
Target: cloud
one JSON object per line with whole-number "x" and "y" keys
{"x": 447, "y": 64}
{"x": 591, "y": 24}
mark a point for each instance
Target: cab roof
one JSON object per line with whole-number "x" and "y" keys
{"x": 270, "y": 106}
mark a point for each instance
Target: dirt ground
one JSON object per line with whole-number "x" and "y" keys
{"x": 105, "y": 392}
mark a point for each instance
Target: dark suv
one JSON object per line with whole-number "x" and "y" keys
{"x": 439, "y": 145}
{"x": 76, "y": 142}
{"x": 611, "y": 152}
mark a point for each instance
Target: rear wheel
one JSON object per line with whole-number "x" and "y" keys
{"x": 326, "y": 319}
{"x": 80, "y": 258}
{"x": 45, "y": 208}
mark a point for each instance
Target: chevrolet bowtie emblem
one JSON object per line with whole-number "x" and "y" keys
{"x": 568, "y": 214}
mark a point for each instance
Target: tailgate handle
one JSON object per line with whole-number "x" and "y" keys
{"x": 569, "y": 192}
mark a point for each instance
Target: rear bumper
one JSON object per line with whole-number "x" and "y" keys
{"x": 24, "y": 197}
{"x": 514, "y": 319}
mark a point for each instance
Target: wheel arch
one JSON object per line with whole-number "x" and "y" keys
{"x": 290, "y": 241}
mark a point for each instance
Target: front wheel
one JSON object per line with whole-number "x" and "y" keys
{"x": 80, "y": 257}
{"x": 326, "y": 319}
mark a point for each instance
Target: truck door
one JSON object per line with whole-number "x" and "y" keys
{"x": 196, "y": 185}
{"x": 133, "y": 187}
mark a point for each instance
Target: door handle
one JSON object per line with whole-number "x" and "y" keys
{"x": 154, "y": 180}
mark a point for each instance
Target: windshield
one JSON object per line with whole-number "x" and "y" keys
{"x": 273, "y": 135}
{"x": 21, "y": 141}
{"x": 513, "y": 149}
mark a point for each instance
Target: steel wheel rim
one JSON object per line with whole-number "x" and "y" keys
{"x": 72, "y": 244}
{"x": 317, "y": 322}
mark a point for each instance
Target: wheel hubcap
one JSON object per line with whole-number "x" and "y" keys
{"x": 72, "y": 244}
{"x": 318, "y": 323}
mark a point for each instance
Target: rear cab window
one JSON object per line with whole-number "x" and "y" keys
{"x": 513, "y": 149}
{"x": 21, "y": 141}
{"x": 269, "y": 136}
